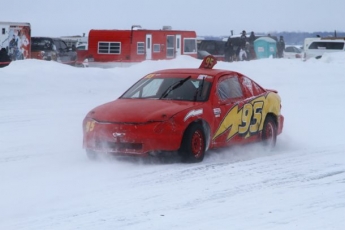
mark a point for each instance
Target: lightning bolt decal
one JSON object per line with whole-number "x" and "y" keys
{"x": 248, "y": 120}
{"x": 231, "y": 121}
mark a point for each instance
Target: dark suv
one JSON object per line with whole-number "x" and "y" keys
{"x": 46, "y": 48}
{"x": 214, "y": 47}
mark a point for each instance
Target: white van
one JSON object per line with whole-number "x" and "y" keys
{"x": 316, "y": 47}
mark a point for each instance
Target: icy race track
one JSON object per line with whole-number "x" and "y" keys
{"x": 48, "y": 183}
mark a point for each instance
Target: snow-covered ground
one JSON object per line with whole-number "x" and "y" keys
{"x": 47, "y": 182}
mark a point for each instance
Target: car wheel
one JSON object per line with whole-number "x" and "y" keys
{"x": 269, "y": 132}
{"x": 193, "y": 144}
{"x": 92, "y": 155}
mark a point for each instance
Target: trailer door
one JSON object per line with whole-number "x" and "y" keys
{"x": 178, "y": 44}
{"x": 4, "y": 36}
{"x": 170, "y": 48}
{"x": 148, "y": 46}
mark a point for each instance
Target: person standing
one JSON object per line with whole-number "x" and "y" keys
{"x": 281, "y": 47}
{"x": 243, "y": 39}
{"x": 229, "y": 50}
{"x": 4, "y": 58}
{"x": 242, "y": 54}
{"x": 251, "y": 40}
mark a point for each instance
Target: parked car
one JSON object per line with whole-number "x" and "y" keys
{"x": 82, "y": 55}
{"x": 316, "y": 47}
{"x": 213, "y": 47}
{"x": 46, "y": 48}
{"x": 82, "y": 46}
{"x": 292, "y": 52}
{"x": 202, "y": 54}
{"x": 184, "y": 111}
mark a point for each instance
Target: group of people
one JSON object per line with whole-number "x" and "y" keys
{"x": 242, "y": 48}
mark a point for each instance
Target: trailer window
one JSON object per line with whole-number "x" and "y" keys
{"x": 156, "y": 48}
{"x": 190, "y": 45}
{"x": 140, "y": 48}
{"x": 109, "y": 47}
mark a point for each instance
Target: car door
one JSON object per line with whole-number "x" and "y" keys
{"x": 66, "y": 55}
{"x": 227, "y": 107}
{"x": 60, "y": 53}
{"x": 65, "y": 52}
{"x": 288, "y": 52}
{"x": 238, "y": 109}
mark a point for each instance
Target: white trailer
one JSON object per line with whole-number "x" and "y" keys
{"x": 15, "y": 37}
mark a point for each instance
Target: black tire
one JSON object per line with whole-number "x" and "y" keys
{"x": 193, "y": 144}
{"x": 269, "y": 132}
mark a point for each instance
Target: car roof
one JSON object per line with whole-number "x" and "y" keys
{"x": 330, "y": 40}
{"x": 53, "y": 38}
{"x": 206, "y": 68}
{"x": 211, "y": 72}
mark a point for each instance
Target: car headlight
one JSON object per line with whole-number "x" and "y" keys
{"x": 165, "y": 126}
{"x": 88, "y": 125}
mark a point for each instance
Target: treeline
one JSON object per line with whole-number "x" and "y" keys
{"x": 297, "y": 38}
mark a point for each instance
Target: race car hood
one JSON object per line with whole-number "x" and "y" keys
{"x": 138, "y": 110}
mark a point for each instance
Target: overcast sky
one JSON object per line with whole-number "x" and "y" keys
{"x": 216, "y": 17}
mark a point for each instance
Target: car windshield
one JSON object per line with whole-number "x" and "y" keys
{"x": 41, "y": 44}
{"x": 184, "y": 88}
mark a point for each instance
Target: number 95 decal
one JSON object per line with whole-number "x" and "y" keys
{"x": 244, "y": 121}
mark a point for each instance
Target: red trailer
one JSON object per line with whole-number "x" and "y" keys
{"x": 108, "y": 48}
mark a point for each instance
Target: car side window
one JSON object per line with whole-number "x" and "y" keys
{"x": 229, "y": 88}
{"x": 63, "y": 45}
{"x": 250, "y": 88}
{"x": 289, "y": 49}
{"x": 57, "y": 45}
{"x": 81, "y": 48}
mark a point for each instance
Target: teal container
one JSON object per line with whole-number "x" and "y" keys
{"x": 265, "y": 47}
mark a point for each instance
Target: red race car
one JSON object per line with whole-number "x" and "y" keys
{"x": 186, "y": 111}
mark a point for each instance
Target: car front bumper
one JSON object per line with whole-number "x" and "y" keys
{"x": 131, "y": 139}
